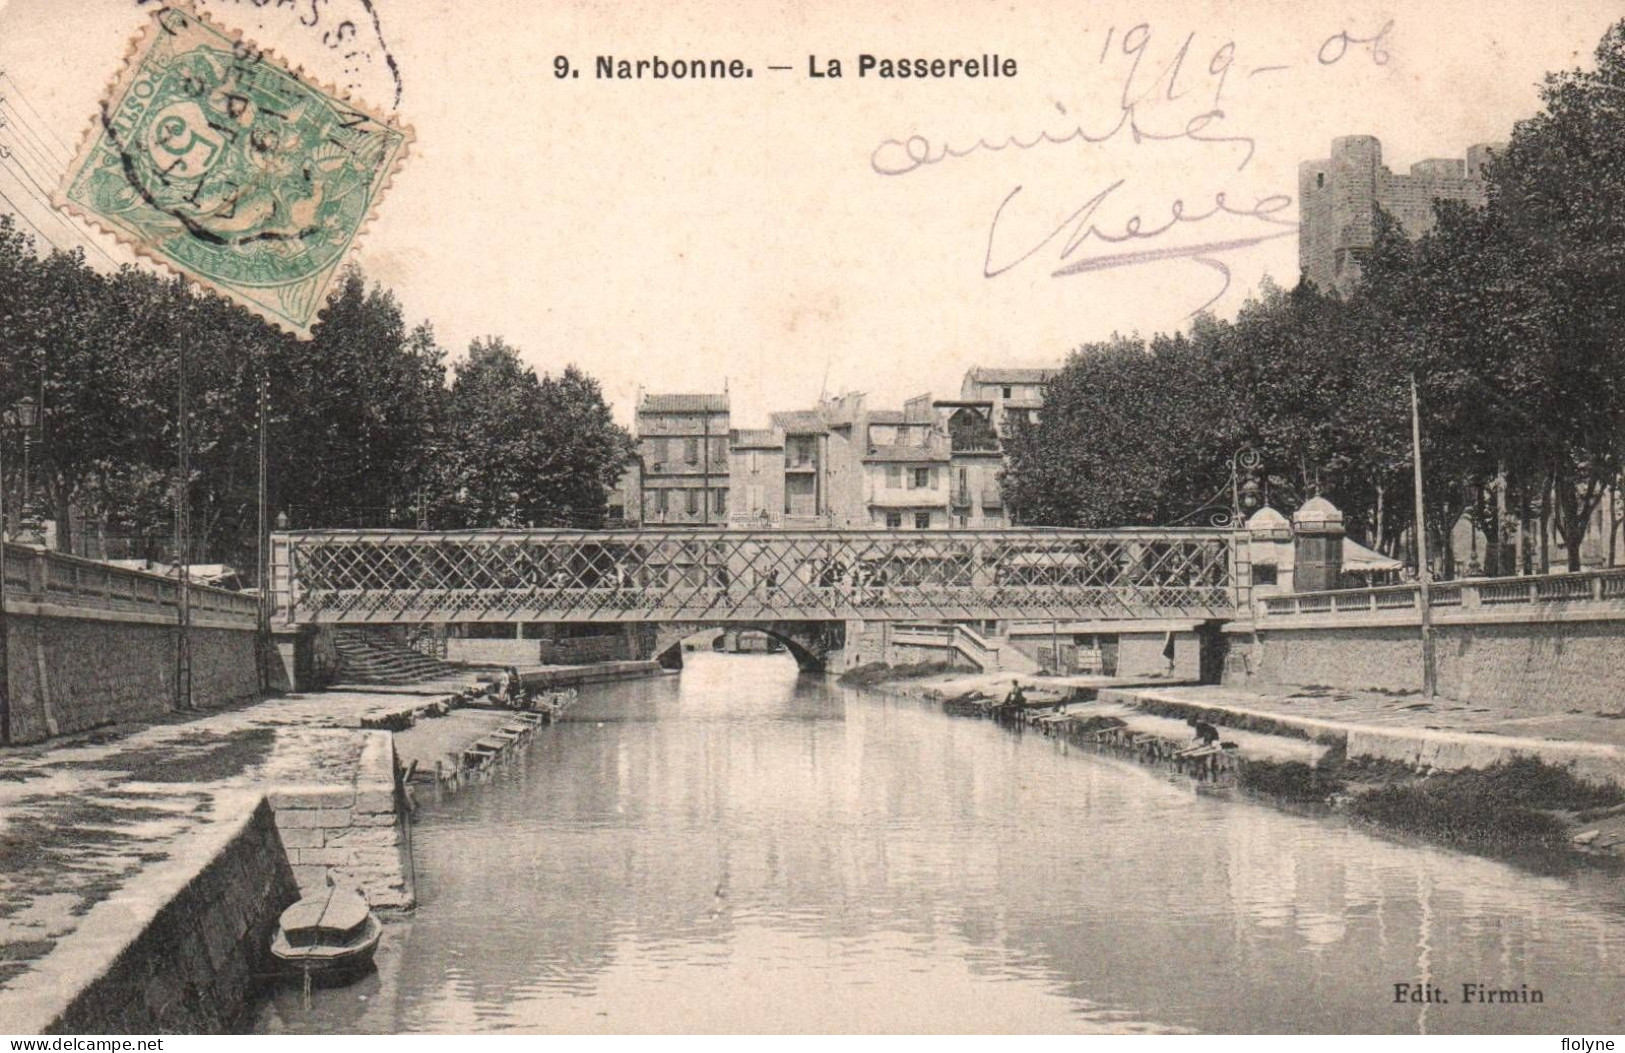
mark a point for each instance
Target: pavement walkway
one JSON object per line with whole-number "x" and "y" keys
{"x": 85, "y": 816}
{"x": 1438, "y": 733}
{"x": 1415, "y": 713}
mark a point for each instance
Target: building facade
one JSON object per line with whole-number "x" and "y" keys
{"x": 1011, "y": 392}
{"x": 756, "y": 478}
{"x": 932, "y": 465}
{"x": 1338, "y": 197}
{"x": 683, "y": 464}
{"x": 976, "y": 456}
{"x": 991, "y": 400}
{"x": 804, "y": 468}
{"x": 905, "y": 469}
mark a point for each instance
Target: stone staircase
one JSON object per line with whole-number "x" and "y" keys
{"x": 1012, "y": 659}
{"x": 996, "y": 655}
{"x": 367, "y": 658}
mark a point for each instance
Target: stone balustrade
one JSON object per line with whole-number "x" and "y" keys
{"x": 39, "y": 581}
{"x": 1583, "y": 595}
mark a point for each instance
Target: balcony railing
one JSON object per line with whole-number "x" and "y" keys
{"x": 39, "y": 576}
{"x": 1593, "y": 589}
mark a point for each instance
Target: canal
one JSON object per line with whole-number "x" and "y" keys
{"x": 743, "y": 849}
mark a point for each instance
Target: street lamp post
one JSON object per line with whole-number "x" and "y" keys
{"x": 22, "y": 416}
{"x": 5, "y": 643}
{"x": 262, "y": 541}
{"x": 1424, "y": 581}
{"x": 183, "y": 538}
{"x": 1244, "y": 494}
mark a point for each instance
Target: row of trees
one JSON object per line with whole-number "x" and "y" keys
{"x": 369, "y": 423}
{"x": 1510, "y": 317}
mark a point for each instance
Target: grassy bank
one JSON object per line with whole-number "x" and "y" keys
{"x": 1520, "y": 801}
{"x": 1523, "y": 801}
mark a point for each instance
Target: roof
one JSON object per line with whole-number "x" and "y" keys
{"x": 1317, "y": 511}
{"x": 1359, "y": 558}
{"x": 905, "y": 455}
{"x": 201, "y": 573}
{"x": 684, "y": 403}
{"x": 1267, "y": 518}
{"x": 799, "y": 422}
{"x": 756, "y": 439}
{"x": 1012, "y": 374}
{"x": 885, "y": 416}
{"x": 1267, "y": 524}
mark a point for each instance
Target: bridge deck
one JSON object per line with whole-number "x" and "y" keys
{"x": 372, "y": 577}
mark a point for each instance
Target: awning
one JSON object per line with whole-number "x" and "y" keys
{"x": 1359, "y": 559}
{"x": 1055, "y": 559}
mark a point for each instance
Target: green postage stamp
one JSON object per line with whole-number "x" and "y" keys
{"x": 218, "y": 161}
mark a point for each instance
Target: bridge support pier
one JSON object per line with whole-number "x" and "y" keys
{"x": 811, "y": 644}
{"x": 309, "y": 658}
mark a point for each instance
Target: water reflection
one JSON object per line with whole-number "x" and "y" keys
{"x": 740, "y": 849}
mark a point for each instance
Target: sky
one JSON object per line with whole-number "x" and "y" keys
{"x": 783, "y": 234}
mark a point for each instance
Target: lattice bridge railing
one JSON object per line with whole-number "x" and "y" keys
{"x": 673, "y": 574}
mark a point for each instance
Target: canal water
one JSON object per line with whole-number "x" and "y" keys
{"x": 743, "y": 849}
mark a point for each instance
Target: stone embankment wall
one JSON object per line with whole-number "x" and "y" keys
{"x": 493, "y": 652}
{"x": 920, "y": 654}
{"x": 71, "y": 674}
{"x": 1138, "y": 653}
{"x": 1546, "y": 666}
{"x": 1141, "y": 654}
{"x": 180, "y": 952}
{"x": 352, "y": 835}
{"x": 584, "y": 649}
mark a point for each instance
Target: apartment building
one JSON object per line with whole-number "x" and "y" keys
{"x": 1011, "y": 392}
{"x": 804, "y": 465}
{"x": 682, "y": 476}
{"x": 905, "y": 468}
{"x": 976, "y": 457}
{"x": 756, "y": 478}
{"x": 929, "y": 466}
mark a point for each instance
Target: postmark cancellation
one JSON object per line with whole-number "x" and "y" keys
{"x": 230, "y": 167}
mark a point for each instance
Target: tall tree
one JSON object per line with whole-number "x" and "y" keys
{"x": 1559, "y": 191}
{"x": 525, "y": 450}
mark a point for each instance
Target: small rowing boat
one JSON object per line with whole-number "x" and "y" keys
{"x": 330, "y": 936}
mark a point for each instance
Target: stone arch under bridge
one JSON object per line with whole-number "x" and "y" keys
{"x": 811, "y": 644}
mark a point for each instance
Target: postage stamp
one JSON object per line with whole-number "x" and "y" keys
{"x": 220, "y": 162}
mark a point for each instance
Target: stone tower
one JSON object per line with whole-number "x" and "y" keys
{"x": 1338, "y": 198}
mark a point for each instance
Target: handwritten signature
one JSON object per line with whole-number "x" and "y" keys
{"x": 1080, "y": 228}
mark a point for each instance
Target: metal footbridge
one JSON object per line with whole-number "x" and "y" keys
{"x": 380, "y": 577}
